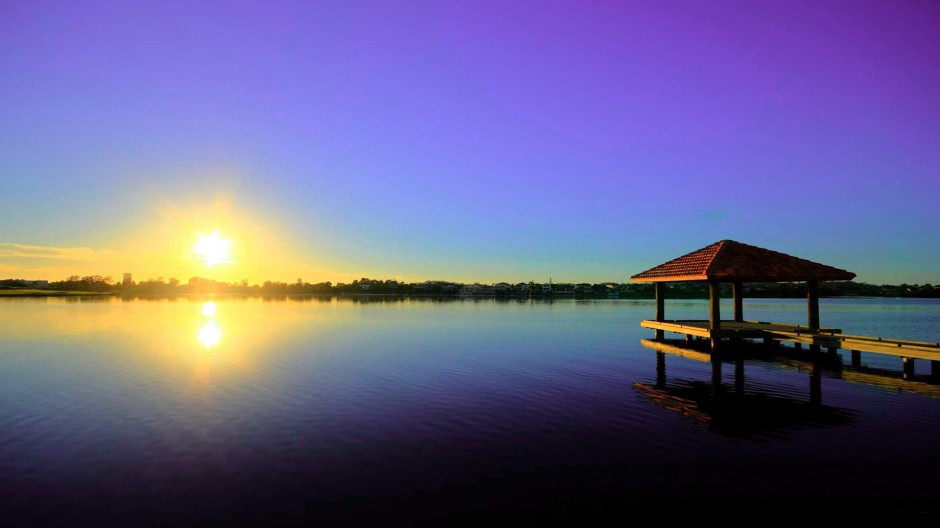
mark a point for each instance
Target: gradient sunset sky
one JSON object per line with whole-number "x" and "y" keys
{"x": 468, "y": 141}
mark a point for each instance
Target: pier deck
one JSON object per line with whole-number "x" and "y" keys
{"x": 831, "y": 338}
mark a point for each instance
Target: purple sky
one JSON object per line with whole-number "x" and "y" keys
{"x": 583, "y": 141}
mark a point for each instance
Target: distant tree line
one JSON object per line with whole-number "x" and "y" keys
{"x": 367, "y": 286}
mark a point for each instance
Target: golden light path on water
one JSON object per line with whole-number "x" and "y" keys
{"x": 209, "y": 334}
{"x": 192, "y": 345}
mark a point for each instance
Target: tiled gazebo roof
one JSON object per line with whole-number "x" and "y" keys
{"x": 730, "y": 261}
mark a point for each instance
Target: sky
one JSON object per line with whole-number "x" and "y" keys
{"x": 466, "y": 141}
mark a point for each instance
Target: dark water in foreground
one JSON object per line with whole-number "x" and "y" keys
{"x": 281, "y": 411}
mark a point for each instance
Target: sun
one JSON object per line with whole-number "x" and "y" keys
{"x": 213, "y": 249}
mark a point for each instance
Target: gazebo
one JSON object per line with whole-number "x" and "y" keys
{"x": 736, "y": 263}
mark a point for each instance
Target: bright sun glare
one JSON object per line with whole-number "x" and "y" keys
{"x": 210, "y": 334}
{"x": 213, "y": 249}
{"x": 209, "y": 309}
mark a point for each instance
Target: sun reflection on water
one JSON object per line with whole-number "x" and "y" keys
{"x": 209, "y": 309}
{"x": 209, "y": 334}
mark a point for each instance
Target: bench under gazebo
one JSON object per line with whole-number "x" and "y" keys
{"x": 737, "y": 263}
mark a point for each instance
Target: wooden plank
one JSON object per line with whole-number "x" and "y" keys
{"x": 755, "y": 326}
{"x": 905, "y": 341}
{"x": 728, "y": 328}
{"x": 893, "y": 349}
{"x": 676, "y": 328}
{"x": 702, "y": 330}
{"x": 887, "y": 347}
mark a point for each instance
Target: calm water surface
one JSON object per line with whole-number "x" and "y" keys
{"x": 283, "y": 410}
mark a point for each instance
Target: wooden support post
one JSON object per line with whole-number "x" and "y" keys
{"x": 908, "y": 367}
{"x": 856, "y": 359}
{"x": 688, "y": 339}
{"x": 737, "y": 289}
{"x": 739, "y": 376}
{"x": 797, "y": 346}
{"x": 660, "y": 369}
{"x": 768, "y": 342}
{"x": 833, "y": 351}
{"x": 714, "y": 313}
{"x": 812, "y": 304}
{"x": 935, "y": 371}
{"x": 660, "y": 308}
{"x": 812, "y": 308}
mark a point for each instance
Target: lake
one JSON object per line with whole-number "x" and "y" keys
{"x": 289, "y": 410}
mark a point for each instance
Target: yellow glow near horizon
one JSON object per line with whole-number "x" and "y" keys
{"x": 211, "y": 236}
{"x": 213, "y": 249}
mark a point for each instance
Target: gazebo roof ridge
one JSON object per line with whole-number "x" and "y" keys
{"x": 732, "y": 261}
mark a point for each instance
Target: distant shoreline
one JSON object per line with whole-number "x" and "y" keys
{"x": 98, "y": 285}
{"x": 54, "y": 293}
{"x": 455, "y": 296}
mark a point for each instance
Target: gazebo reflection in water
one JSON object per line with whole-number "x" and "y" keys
{"x": 737, "y": 410}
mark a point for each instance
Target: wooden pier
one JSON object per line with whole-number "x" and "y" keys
{"x": 854, "y": 373}
{"x": 830, "y": 338}
{"x": 736, "y": 263}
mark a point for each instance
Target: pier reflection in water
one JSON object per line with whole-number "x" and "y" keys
{"x": 736, "y": 410}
